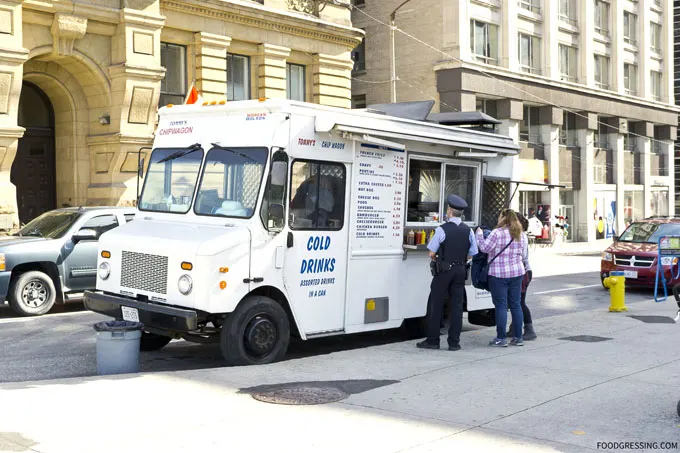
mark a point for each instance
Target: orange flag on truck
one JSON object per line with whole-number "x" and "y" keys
{"x": 192, "y": 96}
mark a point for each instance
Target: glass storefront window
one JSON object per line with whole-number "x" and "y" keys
{"x": 461, "y": 181}
{"x": 633, "y": 206}
{"x": 659, "y": 202}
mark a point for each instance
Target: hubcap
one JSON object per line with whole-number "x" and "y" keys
{"x": 260, "y": 336}
{"x": 35, "y": 294}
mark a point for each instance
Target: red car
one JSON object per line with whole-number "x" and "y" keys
{"x": 636, "y": 252}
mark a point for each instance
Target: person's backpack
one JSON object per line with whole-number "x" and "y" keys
{"x": 479, "y": 272}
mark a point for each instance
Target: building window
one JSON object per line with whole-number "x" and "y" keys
{"x": 660, "y": 202}
{"x": 630, "y": 79}
{"x": 359, "y": 101}
{"x": 317, "y": 196}
{"x": 238, "y": 77}
{"x": 657, "y": 78}
{"x": 359, "y": 56}
{"x": 529, "y": 130}
{"x": 568, "y": 63}
{"x": 529, "y": 53}
{"x": 602, "y": 17}
{"x": 531, "y": 5}
{"x": 568, "y": 135}
{"x": 358, "y": 2}
{"x": 484, "y": 42}
{"x": 602, "y": 71}
{"x": 630, "y": 28}
{"x": 655, "y": 30}
{"x": 174, "y": 83}
{"x": 295, "y": 78}
{"x": 567, "y": 11}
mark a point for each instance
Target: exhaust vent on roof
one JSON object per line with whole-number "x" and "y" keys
{"x": 418, "y": 110}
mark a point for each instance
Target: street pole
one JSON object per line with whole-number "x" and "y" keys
{"x": 393, "y": 54}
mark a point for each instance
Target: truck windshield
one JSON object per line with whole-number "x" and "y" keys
{"x": 171, "y": 179}
{"x": 50, "y": 225}
{"x": 649, "y": 232}
{"x": 231, "y": 181}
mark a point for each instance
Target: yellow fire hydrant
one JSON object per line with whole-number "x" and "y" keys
{"x": 616, "y": 283}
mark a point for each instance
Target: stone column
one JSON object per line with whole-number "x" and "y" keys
{"x": 551, "y": 63}
{"x": 456, "y": 29}
{"x": 586, "y": 43}
{"x": 586, "y": 125}
{"x": 616, "y": 36}
{"x": 645, "y": 132}
{"x": 550, "y": 120}
{"x": 12, "y": 57}
{"x": 616, "y": 127}
{"x": 332, "y": 81}
{"x": 136, "y": 75}
{"x": 272, "y": 71}
{"x": 667, "y": 135}
{"x": 667, "y": 43}
{"x": 508, "y": 37}
{"x": 644, "y": 58}
{"x": 510, "y": 114}
{"x": 211, "y": 65}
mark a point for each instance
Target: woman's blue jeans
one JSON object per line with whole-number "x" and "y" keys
{"x": 507, "y": 292}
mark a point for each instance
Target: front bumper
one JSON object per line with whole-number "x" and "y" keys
{"x": 150, "y": 314}
{"x": 4, "y": 285}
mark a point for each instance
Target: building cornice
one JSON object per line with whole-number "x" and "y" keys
{"x": 503, "y": 73}
{"x": 268, "y": 19}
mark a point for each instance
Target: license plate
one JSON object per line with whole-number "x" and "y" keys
{"x": 130, "y": 314}
{"x": 630, "y": 274}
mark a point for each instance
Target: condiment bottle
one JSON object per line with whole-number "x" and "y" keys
{"x": 410, "y": 239}
{"x": 431, "y": 235}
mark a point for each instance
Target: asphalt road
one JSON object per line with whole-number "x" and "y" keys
{"x": 62, "y": 343}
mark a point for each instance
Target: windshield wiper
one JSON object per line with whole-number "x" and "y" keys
{"x": 181, "y": 153}
{"x": 35, "y": 233}
{"x": 245, "y": 156}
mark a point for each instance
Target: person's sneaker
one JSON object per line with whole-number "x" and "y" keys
{"x": 425, "y": 345}
{"x": 455, "y": 347}
{"x": 499, "y": 343}
{"x": 517, "y": 342}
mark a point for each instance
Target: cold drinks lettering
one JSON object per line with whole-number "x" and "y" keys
{"x": 317, "y": 265}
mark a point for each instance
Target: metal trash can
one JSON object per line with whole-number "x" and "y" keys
{"x": 118, "y": 346}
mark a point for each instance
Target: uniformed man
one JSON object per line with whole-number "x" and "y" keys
{"x": 451, "y": 247}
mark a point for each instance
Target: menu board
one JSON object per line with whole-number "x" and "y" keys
{"x": 378, "y": 197}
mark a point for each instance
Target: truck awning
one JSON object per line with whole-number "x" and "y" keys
{"x": 485, "y": 143}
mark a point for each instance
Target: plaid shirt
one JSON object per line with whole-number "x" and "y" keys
{"x": 510, "y": 263}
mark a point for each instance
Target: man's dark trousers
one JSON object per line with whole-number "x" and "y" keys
{"x": 449, "y": 284}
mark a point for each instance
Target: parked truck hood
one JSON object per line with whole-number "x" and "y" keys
{"x": 7, "y": 241}
{"x": 632, "y": 247}
{"x": 163, "y": 237}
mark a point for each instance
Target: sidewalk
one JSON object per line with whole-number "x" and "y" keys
{"x": 552, "y": 395}
{"x": 574, "y": 248}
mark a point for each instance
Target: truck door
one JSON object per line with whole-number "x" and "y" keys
{"x": 80, "y": 263}
{"x": 315, "y": 266}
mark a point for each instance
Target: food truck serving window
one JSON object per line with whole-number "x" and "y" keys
{"x": 317, "y": 196}
{"x": 431, "y": 181}
{"x": 230, "y": 183}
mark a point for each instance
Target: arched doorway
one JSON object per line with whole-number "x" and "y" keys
{"x": 34, "y": 168}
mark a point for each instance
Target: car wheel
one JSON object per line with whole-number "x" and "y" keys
{"x": 602, "y": 281}
{"x": 257, "y": 332}
{"x": 32, "y": 294}
{"x": 152, "y": 341}
{"x": 486, "y": 318}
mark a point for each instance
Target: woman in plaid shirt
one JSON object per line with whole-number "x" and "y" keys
{"x": 510, "y": 247}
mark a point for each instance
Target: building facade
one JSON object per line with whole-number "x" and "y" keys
{"x": 585, "y": 87}
{"x": 80, "y": 82}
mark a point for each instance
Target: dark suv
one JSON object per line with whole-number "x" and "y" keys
{"x": 636, "y": 252}
{"x": 54, "y": 257}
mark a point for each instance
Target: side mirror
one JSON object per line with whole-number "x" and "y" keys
{"x": 84, "y": 235}
{"x": 276, "y": 219}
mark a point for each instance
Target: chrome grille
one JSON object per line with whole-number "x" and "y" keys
{"x": 144, "y": 272}
{"x": 633, "y": 261}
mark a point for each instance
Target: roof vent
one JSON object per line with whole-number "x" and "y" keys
{"x": 418, "y": 110}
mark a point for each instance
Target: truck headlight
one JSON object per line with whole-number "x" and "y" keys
{"x": 104, "y": 270}
{"x": 606, "y": 256}
{"x": 184, "y": 284}
{"x": 3, "y": 264}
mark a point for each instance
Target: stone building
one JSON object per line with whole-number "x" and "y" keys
{"x": 80, "y": 82}
{"x": 584, "y": 86}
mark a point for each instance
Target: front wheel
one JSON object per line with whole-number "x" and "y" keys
{"x": 153, "y": 342}
{"x": 32, "y": 294}
{"x": 256, "y": 333}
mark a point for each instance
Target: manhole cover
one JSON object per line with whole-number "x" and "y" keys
{"x": 654, "y": 319}
{"x": 301, "y": 395}
{"x": 586, "y": 338}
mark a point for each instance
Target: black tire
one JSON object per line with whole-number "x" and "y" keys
{"x": 416, "y": 328}
{"x": 486, "y": 318}
{"x": 32, "y": 294}
{"x": 256, "y": 333}
{"x": 152, "y": 341}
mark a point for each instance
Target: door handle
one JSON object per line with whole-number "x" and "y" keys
{"x": 289, "y": 242}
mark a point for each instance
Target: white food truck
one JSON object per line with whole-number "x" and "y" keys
{"x": 263, "y": 219}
